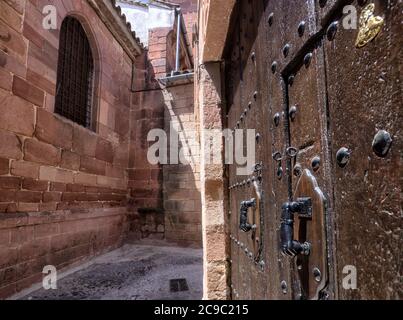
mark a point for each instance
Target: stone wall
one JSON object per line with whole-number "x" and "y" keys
{"x": 181, "y": 183}
{"x": 146, "y": 214}
{"x": 213, "y": 191}
{"x": 164, "y": 199}
{"x": 145, "y": 179}
{"x": 63, "y": 188}
{"x": 213, "y": 24}
{"x": 31, "y": 241}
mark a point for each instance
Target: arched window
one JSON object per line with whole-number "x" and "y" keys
{"x": 75, "y": 74}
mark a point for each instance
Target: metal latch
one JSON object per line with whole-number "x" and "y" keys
{"x": 244, "y": 225}
{"x": 289, "y": 246}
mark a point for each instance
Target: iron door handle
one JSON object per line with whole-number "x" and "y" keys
{"x": 289, "y": 246}
{"x": 243, "y": 212}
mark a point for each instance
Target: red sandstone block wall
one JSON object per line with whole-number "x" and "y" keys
{"x": 146, "y": 213}
{"x": 38, "y": 147}
{"x": 63, "y": 188}
{"x": 145, "y": 180}
{"x": 30, "y": 241}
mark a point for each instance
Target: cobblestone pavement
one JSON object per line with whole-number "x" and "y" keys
{"x": 133, "y": 272}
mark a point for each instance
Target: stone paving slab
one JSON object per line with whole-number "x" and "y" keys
{"x": 133, "y": 272}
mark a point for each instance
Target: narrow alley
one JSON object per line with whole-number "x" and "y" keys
{"x": 201, "y": 150}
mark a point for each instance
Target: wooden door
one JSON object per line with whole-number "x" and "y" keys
{"x": 326, "y": 188}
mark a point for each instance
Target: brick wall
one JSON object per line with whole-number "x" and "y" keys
{"x": 158, "y": 45}
{"x": 63, "y": 188}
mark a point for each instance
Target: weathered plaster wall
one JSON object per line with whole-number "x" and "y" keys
{"x": 146, "y": 17}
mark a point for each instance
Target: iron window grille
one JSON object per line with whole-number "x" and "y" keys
{"x": 75, "y": 74}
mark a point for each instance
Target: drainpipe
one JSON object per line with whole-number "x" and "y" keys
{"x": 178, "y": 41}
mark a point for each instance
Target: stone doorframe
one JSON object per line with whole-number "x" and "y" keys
{"x": 213, "y": 25}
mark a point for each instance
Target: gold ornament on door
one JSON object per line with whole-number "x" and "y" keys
{"x": 370, "y": 26}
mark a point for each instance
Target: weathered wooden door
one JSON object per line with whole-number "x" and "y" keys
{"x": 324, "y": 99}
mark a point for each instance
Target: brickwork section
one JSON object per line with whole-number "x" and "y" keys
{"x": 153, "y": 63}
{"x": 157, "y": 51}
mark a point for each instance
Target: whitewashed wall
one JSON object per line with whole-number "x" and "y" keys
{"x": 146, "y": 15}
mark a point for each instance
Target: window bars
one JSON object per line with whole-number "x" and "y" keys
{"x": 75, "y": 74}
